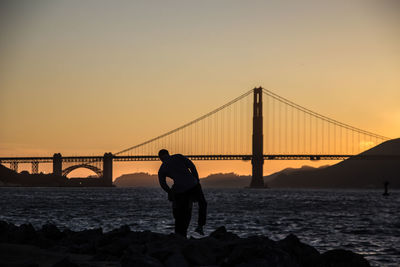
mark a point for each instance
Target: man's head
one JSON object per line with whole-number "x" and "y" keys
{"x": 163, "y": 154}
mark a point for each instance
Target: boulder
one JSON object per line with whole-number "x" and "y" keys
{"x": 176, "y": 259}
{"x": 140, "y": 260}
{"x": 65, "y": 262}
{"x": 343, "y": 258}
{"x": 221, "y": 234}
{"x": 50, "y": 231}
{"x": 199, "y": 252}
{"x": 304, "y": 254}
{"x": 126, "y": 248}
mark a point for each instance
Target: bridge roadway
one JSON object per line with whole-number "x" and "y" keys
{"x": 199, "y": 157}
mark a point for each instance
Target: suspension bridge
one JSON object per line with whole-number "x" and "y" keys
{"x": 259, "y": 125}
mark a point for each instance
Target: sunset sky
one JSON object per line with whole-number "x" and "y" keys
{"x": 88, "y": 77}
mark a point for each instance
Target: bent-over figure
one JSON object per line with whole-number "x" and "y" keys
{"x": 185, "y": 190}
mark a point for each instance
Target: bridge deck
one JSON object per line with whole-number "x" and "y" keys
{"x": 198, "y": 157}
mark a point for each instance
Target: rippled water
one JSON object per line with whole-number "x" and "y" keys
{"x": 359, "y": 220}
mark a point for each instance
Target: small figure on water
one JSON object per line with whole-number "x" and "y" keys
{"x": 386, "y": 184}
{"x": 185, "y": 190}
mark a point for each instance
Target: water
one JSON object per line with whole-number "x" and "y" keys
{"x": 359, "y": 220}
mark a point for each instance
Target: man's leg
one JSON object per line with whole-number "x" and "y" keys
{"x": 202, "y": 208}
{"x": 182, "y": 213}
{"x": 187, "y": 212}
{"x": 198, "y": 196}
{"x": 177, "y": 217}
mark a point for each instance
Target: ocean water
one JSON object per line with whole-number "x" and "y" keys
{"x": 359, "y": 220}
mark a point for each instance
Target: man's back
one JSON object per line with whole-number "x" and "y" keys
{"x": 177, "y": 168}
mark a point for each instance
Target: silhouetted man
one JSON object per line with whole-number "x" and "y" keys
{"x": 185, "y": 190}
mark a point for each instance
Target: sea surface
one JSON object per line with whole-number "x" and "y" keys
{"x": 359, "y": 220}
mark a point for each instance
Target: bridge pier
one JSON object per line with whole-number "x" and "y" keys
{"x": 35, "y": 167}
{"x": 257, "y": 160}
{"x": 14, "y": 166}
{"x": 57, "y": 164}
{"x": 107, "y": 169}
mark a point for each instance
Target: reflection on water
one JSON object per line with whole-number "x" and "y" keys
{"x": 359, "y": 220}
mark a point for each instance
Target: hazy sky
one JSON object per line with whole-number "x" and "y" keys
{"x": 86, "y": 77}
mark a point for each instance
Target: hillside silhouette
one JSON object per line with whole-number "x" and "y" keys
{"x": 139, "y": 179}
{"x": 9, "y": 177}
{"x": 218, "y": 180}
{"x": 350, "y": 173}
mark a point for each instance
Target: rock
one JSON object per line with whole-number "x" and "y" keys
{"x": 85, "y": 248}
{"x": 304, "y": 254}
{"x": 24, "y": 234}
{"x": 261, "y": 250}
{"x": 343, "y": 258}
{"x": 176, "y": 259}
{"x": 199, "y": 252}
{"x": 50, "y": 231}
{"x": 221, "y": 234}
{"x": 4, "y": 231}
{"x": 85, "y": 236}
{"x": 255, "y": 263}
{"x": 140, "y": 260}
{"x": 116, "y": 247}
{"x": 160, "y": 250}
{"x": 65, "y": 263}
{"x": 126, "y": 248}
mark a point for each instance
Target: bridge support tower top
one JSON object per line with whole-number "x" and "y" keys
{"x": 57, "y": 164}
{"x": 108, "y": 169}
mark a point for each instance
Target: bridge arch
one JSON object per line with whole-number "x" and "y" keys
{"x": 98, "y": 171}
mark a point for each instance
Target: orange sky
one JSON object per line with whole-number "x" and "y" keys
{"x": 86, "y": 77}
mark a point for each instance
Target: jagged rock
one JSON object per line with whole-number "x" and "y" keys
{"x": 304, "y": 254}
{"x": 4, "y": 231}
{"x": 200, "y": 252}
{"x": 65, "y": 263}
{"x": 140, "y": 260}
{"x": 161, "y": 250}
{"x": 50, "y": 231}
{"x": 120, "y": 232}
{"x": 24, "y": 234}
{"x": 221, "y": 234}
{"x": 126, "y": 248}
{"x": 176, "y": 259}
{"x": 252, "y": 251}
{"x": 115, "y": 248}
{"x": 85, "y": 236}
{"x": 343, "y": 258}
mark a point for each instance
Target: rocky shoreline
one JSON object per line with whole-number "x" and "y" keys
{"x": 49, "y": 246}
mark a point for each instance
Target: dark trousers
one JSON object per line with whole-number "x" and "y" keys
{"x": 182, "y": 209}
{"x": 198, "y": 196}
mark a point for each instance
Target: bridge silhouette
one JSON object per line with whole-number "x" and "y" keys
{"x": 256, "y": 126}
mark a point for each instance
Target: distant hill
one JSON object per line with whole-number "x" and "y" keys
{"x": 225, "y": 180}
{"x": 9, "y": 177}
{"x": 143, "y": 179}
{"x": 139, "y": 179}
{"x": 350, "y": 173}
{"x": 6, "y": 175}
{"x": 219, "y": 180}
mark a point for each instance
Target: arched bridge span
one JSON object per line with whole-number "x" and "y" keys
{"x": 98, "y": 171}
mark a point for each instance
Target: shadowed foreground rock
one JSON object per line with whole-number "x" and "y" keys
{"x": 25, "y": 246}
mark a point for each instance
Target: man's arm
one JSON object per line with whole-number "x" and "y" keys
{"x": 162, "y": 180}
{"x": 190, "y": 165}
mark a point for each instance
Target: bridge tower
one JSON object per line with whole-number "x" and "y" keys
{"x": 107, "y": 169}
{"x": 14, "y": 166}
{"x": 257, "y": 160}
{"x": 57, "y": 164}
{"x": 35, "y": 167}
